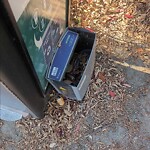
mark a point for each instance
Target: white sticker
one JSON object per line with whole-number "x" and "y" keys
{"x": 54, "y": 71}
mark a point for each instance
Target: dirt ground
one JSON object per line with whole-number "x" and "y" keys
{"x": 115, "y": 113}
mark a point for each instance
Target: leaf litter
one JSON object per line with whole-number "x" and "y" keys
{"x": 65, "y": 123}
{"x": 121, "y": 26}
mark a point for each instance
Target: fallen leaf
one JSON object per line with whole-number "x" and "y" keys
{"x": 101, "y": 75}
{"x": 128, "y": 16}
{"x": 127, "y": 85}
{"x": 67, "y": 112}
{"x": 140, "y": 51}
{"x": 112, "y": 94}
{"x": 60, "y": 101}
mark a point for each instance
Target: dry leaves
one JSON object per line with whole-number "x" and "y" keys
{"x": 101, "y": 75}
{"x": 112, "y": 94}
{"x": 61, "y": 101}
{"x": 120, "y": 25}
